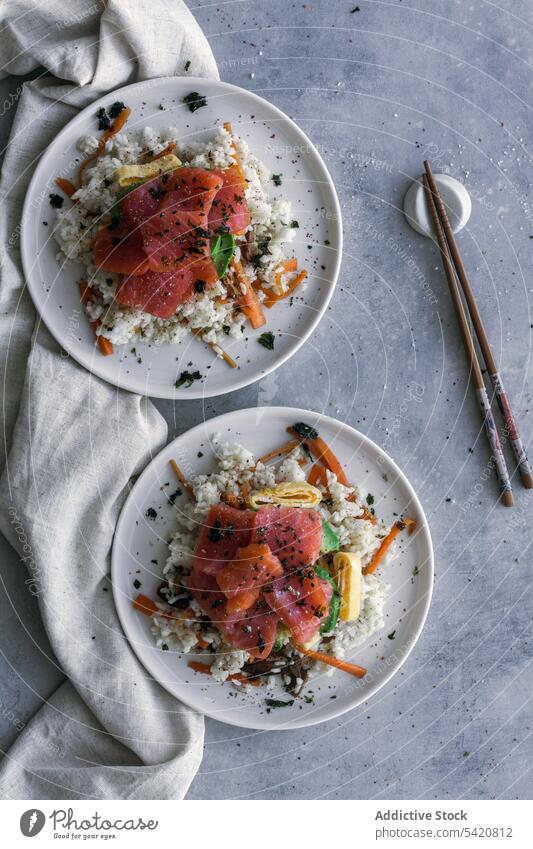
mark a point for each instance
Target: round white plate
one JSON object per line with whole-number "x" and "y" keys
{"x": 140, "y": 551}
{"x": 306, "y": 183}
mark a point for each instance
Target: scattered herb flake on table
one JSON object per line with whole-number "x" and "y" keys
{"x": 276, "y": 179}
{"x": 370, "y": 499}
{"x": 392, "y": 635}
{"x": 187, "y": 378}
{"x": 195, "y": 100}
{"x": 267, "y": 340}
{"x": 187, "y": 65}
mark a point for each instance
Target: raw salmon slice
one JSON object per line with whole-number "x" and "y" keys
{"x": 294, "y": 535}
{"x": 161, "y": 292}
{"x": 242, "y": 579}
{"x": 301, "y": 601}
{"x": 229, "y": 209}
{"x": 226, "y": 530}
{"x": 253, "y": 631}
{"x": 117, "y": 249}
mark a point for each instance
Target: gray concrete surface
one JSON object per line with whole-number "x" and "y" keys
{"x": 378, "y": 86}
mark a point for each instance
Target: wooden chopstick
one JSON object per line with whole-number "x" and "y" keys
{"x": 481, "y": 391}
{"x": 496, "y": 379}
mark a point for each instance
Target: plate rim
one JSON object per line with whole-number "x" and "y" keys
{"x": 425, "y": 601}
{"x": 192, "y": 393}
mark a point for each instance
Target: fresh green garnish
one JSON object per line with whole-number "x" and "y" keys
{"x": 331, "y": 620}
{"x": 305, "y": 430}
{"x": 281, "y": 634}
{"x": 222, "y": 250}
{"x": 392, "y": 635}
{"x": 267, "y": 340}
{"x": 370, "y": 499}
{"x": 276, "y": 179}
{"x": 195, "y": 101}
{"x": 187, "y": 378}
{"x": 330, "y": 540}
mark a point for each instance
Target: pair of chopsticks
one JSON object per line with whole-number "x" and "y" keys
{"x": 455, "y": 270}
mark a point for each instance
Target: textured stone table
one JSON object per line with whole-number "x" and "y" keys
{"x": 378, "y": 86}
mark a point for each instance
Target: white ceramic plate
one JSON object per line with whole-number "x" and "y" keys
{"x": 140, "y": 551}
{"x": 282, "y": 146}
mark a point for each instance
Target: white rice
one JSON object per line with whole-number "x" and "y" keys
{"x": 75, "y": 228}
{"x": 236, "y": 465}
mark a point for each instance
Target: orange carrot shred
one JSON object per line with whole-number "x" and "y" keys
{"x": 181, "y": 477}
{"x": 317, "y": 475}
{"x": 351, "y": 668}
{"x": 322, "y": 452}
{"x": 199, "y": 667}
{"x": 115, "y": 127}
{"x": 286, "y": 448}
{"x": 145, "y": 605}
{"x": 247, "y": 298}
{"x": 272, "y": 299}
{"x": 168, "y": 150}
{"x": 386, "y": 542}
{"x": 65, "y": 186}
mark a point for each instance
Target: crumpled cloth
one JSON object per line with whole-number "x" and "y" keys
{"x": 74, "y": 442}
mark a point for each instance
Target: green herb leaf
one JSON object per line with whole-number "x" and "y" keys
{"x": 392, "y": 635}
{"x": 276, "y": 179}
{"x": 222, "y": 250}
{"x": 267, "y": 340}
{"x": 195, "y": 101}
{"x": 370, "y": 499}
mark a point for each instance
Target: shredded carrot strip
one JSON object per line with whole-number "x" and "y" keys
{"x": 115, "y": 127}
{"x": 247, "y": 298}
{"x": 106, "y": 347}
{"x": 324, "y": 454}
{"x": 181, "y": 477}
{"x": 386, "y": 542}
{"x": 352, "y": 668}
{"x": 145, "y": 605}
{"x": 168, "y": 150}
{"x": 203, "y": 644}
{"x": 65, "y": 186}
{"x": 272, "y": 298}
{"x": 279, "y": 452}
{"x": 232, "y": 499}
{"x": 245, "y": 490}
{"x": 285, "y": 267}
{"x": 229, "y": 129}
{"x": 86, "y": 293}
{"x": 199, "y": 667}
{"x": 317, "y": 475}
